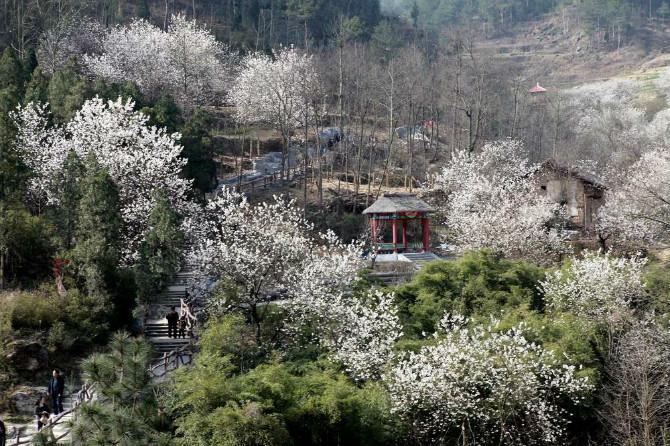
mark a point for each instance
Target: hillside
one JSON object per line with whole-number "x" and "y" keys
{"x": 559, "y": 51}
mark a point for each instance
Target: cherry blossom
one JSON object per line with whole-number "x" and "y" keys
{"x": 277, "y": 91}
{"x": 638, "y": 209}
{"x": 490, "y": 200}
{"x": 185, "y": 61}
{"x": 598, "y": 286}
{"x": 138, "y": 157}
{"x": 492, "y": 387}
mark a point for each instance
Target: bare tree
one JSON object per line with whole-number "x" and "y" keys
{"x": 637, "y": 403}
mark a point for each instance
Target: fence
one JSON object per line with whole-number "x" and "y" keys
{"x": 169, "y": 362}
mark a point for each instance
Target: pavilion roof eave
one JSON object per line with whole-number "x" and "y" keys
{"x": 398, "y": 203}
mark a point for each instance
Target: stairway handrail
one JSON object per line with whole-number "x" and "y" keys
{"x": 88, "y": 393}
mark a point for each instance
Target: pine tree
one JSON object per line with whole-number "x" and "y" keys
{"x": 67, "y": 93}
{"x": 123, "y": 413}
{"x": 96, "y": 251}
{"x": 70, "y": 196}
{"x": 37, "y": 89}
{"x": 161, "y": 249}
{"x": 11, "y": 71}
{"x": 198, "y": 152}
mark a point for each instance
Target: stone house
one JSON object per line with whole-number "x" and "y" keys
{"x": 580, "y": 191}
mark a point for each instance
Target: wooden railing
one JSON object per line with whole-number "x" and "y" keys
{"x": 191, "y": 319}
{"x": 168, "y": 363}
{"x": 264, "y": 181}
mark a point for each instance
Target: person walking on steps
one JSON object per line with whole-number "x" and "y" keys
{"x": 172, "y": 318}
{"x": 42, "y": 412}
{"x": 182, "y": 326}
{"x": 56, "y": 388}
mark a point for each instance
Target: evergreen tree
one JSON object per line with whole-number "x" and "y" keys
{"x": 142, "y": 9}
{"x": 29, "y": 63}
{"x": 125, "y": 411}
{"x": 70, "y": 196}
{"x": 164, "y": 113}
{"x": 37, "y": 89}
{"x": 13, "y": 173}
{"x": 67, "y": 92}
{"x": 199, "y": 153}
{"x": 96, "y": 251}
{"x": 161, "y": 249}
{"x": 11, "y": 71}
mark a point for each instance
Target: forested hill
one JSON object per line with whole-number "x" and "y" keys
{"x": 504, "y": 14}
{"x": 261, "y": 24}
{"x": 241, "y": 23}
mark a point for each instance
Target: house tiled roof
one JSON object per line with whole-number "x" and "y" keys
{"x": 393, "y": 203}
{"x": 574, "y": 172}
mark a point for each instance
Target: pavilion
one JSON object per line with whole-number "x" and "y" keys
{"x": 403, "y": 209}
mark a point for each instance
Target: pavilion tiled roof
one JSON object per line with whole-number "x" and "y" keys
{"x": 393, "y": 203}
{"x": 537, "y": 89}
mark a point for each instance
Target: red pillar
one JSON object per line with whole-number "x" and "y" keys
{"x": 373, "y": 228}
{"x": 404, "y": 234}
{"x": 395, "y": 236}
{"x": 425, "y": 233}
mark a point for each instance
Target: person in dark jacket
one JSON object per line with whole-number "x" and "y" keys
{"x": 3, "y": 433}
{"x": 56, "y": 389}
{"x": 42, "y": 412}
{"x": 172, "y": 318}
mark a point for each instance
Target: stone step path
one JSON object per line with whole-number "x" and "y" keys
{"x": 156, "y": 333}
{"x": 156, "y": 327}
{"x": 22, "y": 433}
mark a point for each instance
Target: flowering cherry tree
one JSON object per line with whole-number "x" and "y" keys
{"x": 598, "y": 286}
{"x": 186, "y": 60}
{"x": 490, "y": 200}
{"x": 139, "y": 158}
{"x": 277, "y": 91}
{"x": 257, "y": 251}
{"x": 363, "y": 332}
{"x": 638, "y": 209}
{"x": 486, "y": 386}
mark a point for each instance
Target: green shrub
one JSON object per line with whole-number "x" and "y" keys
{"x": 281, "y": 403}
{"x": 478, "y": 284}
{"x": 74, "y": 320}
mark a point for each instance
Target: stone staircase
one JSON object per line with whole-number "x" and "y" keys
{"x": 156, "y": 327}
{"x": 21, "y": 433}
{"x": 419, "y": 258}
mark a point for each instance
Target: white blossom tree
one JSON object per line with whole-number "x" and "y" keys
{"x": 598, "y": 286}
{"x": 491, "y": 200}
{"x": 68, "y": 38}
{"x": 277, "y": 91}
{"x": 185, "y": 61}
{"x": 483, "y": 386}
{"x": 139, "y": 158}
{"x": 362, "y": 333}
{"x": 638, "y": 209}
{"x": 257, "y": 251}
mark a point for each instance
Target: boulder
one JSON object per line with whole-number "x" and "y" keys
{"x": 23, "y": 398}
{"x": 27, "y": 356}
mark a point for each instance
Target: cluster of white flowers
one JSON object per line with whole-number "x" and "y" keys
{"x": 597, "y": 286}
{"x": 491, "y": 386}
{"x": 490, "y": 200}
{"x": 275, "y": 90}
{"x": 638, "y": 210}
{"x": 139, "y": 158}
{"x": 266, "y": 248}
{"x": 361, "y": 332}
{"x": 185, "y": 61}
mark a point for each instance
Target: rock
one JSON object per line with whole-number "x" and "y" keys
{"x": 27, "y": 356}
{"x": 23, "y": 398}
